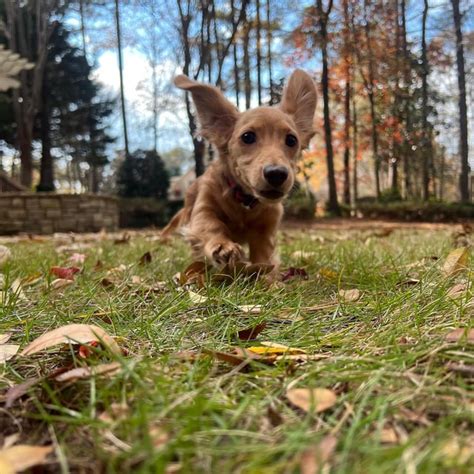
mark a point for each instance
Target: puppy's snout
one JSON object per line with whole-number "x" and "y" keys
{"x": 275, "y": 175}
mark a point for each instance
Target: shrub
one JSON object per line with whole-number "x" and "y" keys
{"x": 143, "y": 212}
{"x": 143, "y": 174}
{"x": 301, "y": 203}
{"x": 416, "y": 211}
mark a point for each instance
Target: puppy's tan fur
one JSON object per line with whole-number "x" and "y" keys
{"x": 215, "y": 223}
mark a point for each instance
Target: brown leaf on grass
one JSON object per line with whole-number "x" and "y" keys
{"x": 292, "y": 273}
{"x": 88, "y": 372}
{"x": 21, "y": 457}
{"x": 458, "y": 290}
{"x": 31, "y": 280}
{"x": 71, "y": 334}
{"x": 312, "y": 400}
{"x": 460, "y": 367}
{"x": 250, "y": 308}
{"x": 4, "y": 338}
{"x": 313, "y": 459}
{"x": 388, "y": 435}
{"x": 65, "y": 273}
{"x": 146, "y": 258}
{"x": 250, "y": 334}
{"x": 60, "y": 283}
{"x": 196, "y": 298}
{"x": 461, "y": 335}
{"x": 350, "y": 295}
{"x": 7, "y": 351}
{"x": 193, "y": 274}
{"x": 17, "y": 391}
{"x": 456, "y": 261}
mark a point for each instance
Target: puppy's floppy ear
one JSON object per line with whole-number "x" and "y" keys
{"x": 217, "y": 116}
{"x": 299, "y": 100}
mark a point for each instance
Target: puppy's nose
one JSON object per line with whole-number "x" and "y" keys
{"x": 275, "y": 175}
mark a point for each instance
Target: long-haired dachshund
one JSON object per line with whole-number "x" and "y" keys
{"x": 238, "y": 200}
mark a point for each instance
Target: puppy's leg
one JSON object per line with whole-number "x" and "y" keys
{"x": 210, "y": 238}
{"x": 262, "y": 247}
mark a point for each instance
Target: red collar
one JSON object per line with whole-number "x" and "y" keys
{"x": 247, "y": 200}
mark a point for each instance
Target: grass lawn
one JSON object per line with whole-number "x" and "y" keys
{"x": 404, "y": 398}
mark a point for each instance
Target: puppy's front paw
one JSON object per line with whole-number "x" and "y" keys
{"x": 223, "y": 253}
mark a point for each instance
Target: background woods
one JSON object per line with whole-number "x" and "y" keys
{"x": 395, "y": 80}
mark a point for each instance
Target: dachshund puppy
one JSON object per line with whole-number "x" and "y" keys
{"x": 238, "y": 200}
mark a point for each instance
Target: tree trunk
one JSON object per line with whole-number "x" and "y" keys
{"x": 259, "y": 53}
{"x": 371, "y": 94}
{"x": 46, "y": 183}
{"x": 269, "y": 52}
{"x": 122, "y": 94}
{"x": 236, "y": 61}
{"x": 355, "y": 151}
{"x": 427, "y": 149}
{"x": 347, "y": 106}
{"x": 463, "y": 145}
{"x": 247, "y": 80}
{"x": 407, "y": 135}
{"x": 333, "y": 205}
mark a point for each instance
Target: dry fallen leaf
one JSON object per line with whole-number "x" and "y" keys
{"x": 65, "y": 273}
{"x": 302, "y": 255}
{"x": 146, "y": 258}
{"x": 5, "y": 255}
{"x": 350, "y": 295}
{"x": 87, "y": 372}
{"x": 193, "y": 274}
{"x": 312, "y": 399}
{"x": 250, "y": 308}
{"x": 313, "y": 459}
{"x": 458, "y": 290}
{"x": 77, "y": 258}
{"x": 250, "y": 334}
{"x": 196, "y": 298}
{"x": 71, "y": 334}
{"x": 456, "y": 261}
{"x": 388, "y": 435}
{"x": 293, "y": 272}
{"x": 460, "y": 335}
{"x": 21, "y": 457}
{"x": 17, "y": 391}
{"x": 7, "y": 351}
{"x": 328, "y": 274}
{"x": 4, "y": 338}
{"x": 60, "y": 283}
{"x": 275, "y": 348}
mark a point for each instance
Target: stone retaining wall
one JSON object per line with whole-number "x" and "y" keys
{"x": 48, "y": 213}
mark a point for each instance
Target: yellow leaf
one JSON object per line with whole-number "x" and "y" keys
{"x": 22, "y": 457}
{"x": 312, "y": 399}
{"x": 275, "y": 348}
{"x": 328, "y": 274}
{"x": 196, "y": 298}
{"x": 456, "y": 261}
{"x": 250, "y": 308}
{"x": 71, "y": 334}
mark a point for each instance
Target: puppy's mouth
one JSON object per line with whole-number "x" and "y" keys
{"x": 272, "y": 194}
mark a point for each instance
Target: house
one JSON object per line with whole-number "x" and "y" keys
{"x": 180, "y": 184}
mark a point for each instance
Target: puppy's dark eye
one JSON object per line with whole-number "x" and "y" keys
{"x": 248, "y": 138}
{"x": 291, "y": 140}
